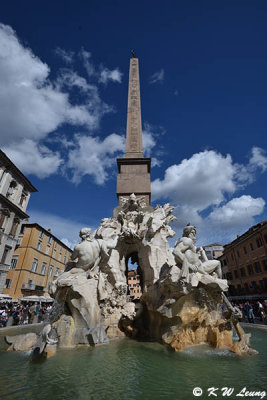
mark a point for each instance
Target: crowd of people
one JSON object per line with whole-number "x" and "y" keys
{"x": 24, "y": 313}
{"x": 253, "y": 312}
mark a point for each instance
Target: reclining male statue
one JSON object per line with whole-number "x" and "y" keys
{"x": 88, "y": 253}
{"x": 189, "y": 257}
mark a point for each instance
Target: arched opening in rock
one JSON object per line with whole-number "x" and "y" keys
{"x": 134, "y": 277}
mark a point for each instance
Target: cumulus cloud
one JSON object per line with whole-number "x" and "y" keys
{"x": 33, "y": 158}
{"x": 91, "y": 156}
{"x": 198, "y": 181}
{"x": 236, "y": 211}
{"x": 158, "y": 76}
{"x": 31, "y": 106}
{"x": 199, "y": 188}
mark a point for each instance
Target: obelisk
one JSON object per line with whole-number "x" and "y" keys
{"x": 134, "y": 168}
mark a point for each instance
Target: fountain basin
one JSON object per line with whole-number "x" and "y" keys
{"x": 128, "y": 369}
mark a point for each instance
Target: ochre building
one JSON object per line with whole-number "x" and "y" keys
{"x": 134, "y": 284}
{"x": 244, "y": 262}
{"x": 39, "y": 258}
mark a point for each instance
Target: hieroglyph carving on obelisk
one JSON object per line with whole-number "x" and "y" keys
{"x": 134, "y": 127}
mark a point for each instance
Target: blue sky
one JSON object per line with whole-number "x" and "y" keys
{"x": 63, "y": 101}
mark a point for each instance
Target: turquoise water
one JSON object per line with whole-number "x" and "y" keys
{"x": 130, "y": 370}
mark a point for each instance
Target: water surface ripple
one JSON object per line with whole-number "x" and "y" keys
{"x": 130, "y": 370}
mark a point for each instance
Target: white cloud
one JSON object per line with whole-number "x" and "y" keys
{"x": 199, "y": 186}
{"x": 158, "y": 76}
{"x": 91, "y": 156}
{"x": 150, "y": 133}
{"x": 33, "y": 158}
{"x": 236, "y": 211}
{"x": 198, "y": 182}
{"x": 88, "y": 64}
{"x": 110, "y": 75}
{"x": 66, "y": 55}
{"x": 258, "y": 158}
{"x": 103, "y": 74}
{"x": 64, "y": 229}
{"x": 31, "y": 106}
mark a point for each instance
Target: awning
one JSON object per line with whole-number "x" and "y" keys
{"x": 40, "y": 299}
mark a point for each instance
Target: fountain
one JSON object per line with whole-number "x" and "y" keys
{"x": 183, "y": 291}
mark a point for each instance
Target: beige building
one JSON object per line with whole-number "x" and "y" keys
{"x": 37, "y": 261}
{"x": 15, "y": 191}
{"x": 244, "y": 263}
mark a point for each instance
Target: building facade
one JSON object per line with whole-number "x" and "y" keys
{"x": 15, "y": 191}
{"x": 37, "y": 261}
{"x": 244, "y": 263}
{"x": 134, "y": 284}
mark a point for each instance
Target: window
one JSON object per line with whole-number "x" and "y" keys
{"x": 50, "y": 239}
{"x": 2, "y": 219}
{"x": 59, "y": 257}
{"x": 41, "y": 235}
{"x": 229, "y": 276}
{"x": 55, "y": 245}
{"x": 22, "y": 198}
{"x": 18, "y": 242}
{"x": 238, "y": 254}
{"x": 5, "y": 254}
{"x": 39, "y": 245}
{"x": 245, "y": 250}
{"x": 8, "y": 283}
{"x": 232, "y": 257}
{"x": 22, "y": 229}
{"x": 64, "y": 259}
{"x": 250, "y": 269}
{"x": 51, "y": 270}
{"x": 34, "y": 265}
{"x": 57, "y": 272}
{"x": 251, "y": 246}
{"x": 43, "y": 269}
{"x": 264, "y": 263}
{"x": 257, "y": 267}
{"x": 243, "y": 272}
{"x": 15, "y": 225}
{"x": 236, "y": 274}
{"x": 14, "y": 262}
{"x": 259, "y": 242}
{"x": 11, "y": 188}
{"x": 47, "y": 249}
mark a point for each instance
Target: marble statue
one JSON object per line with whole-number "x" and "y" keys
{"x": 190, "y": 258}
{"x": 88, "y": 252}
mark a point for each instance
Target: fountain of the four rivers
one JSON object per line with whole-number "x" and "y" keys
{"x": 182, "y": 306}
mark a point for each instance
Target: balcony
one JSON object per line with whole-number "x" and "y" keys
{"x": 31, "y": 287}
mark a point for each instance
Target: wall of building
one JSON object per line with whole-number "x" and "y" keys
{"x": 244, "y": 262}
{"x": 38, "y": 260}
{"x": 15, "y": 192}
